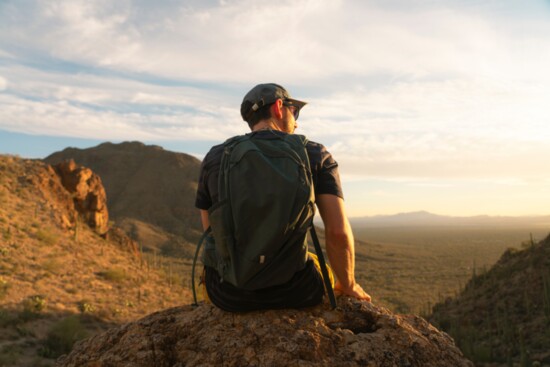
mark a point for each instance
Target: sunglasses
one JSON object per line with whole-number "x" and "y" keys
{"x": 295, "y": 110}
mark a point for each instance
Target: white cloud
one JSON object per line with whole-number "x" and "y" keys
{"x": 396, "y": 90}
{"x": 3, "y": 83}
{"x": 246, "y": 41}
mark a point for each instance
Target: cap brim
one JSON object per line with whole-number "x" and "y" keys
{"x": 295, "y": 102}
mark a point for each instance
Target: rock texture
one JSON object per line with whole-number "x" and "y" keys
{"x": 355, "y": 334}
{"x": 150, "y": 191}
{"x": 88, "y": 194}
{"x": 70, "y": 192}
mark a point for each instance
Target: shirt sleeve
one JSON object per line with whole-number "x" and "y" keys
{"x": 207, "y": 187}
{"x": 203, "y": 199}
{"x": 325, "y": 173}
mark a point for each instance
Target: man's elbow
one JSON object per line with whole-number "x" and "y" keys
{"x": 338, "y": 238}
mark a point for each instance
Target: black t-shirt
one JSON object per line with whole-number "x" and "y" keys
{"x": 306, "y": 287}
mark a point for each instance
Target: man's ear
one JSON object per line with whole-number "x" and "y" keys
{"x": 277, "y": 109}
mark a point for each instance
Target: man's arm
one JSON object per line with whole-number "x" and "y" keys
{"x": 205, "y": 220}
{"x": 340, "y": 245}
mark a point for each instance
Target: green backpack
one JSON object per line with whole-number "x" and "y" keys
{"x": 258, "y": 229}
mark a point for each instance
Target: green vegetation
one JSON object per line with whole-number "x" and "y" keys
{"x": 62, "y": 336}
{"x": 503, "y": 314}
{"x": 32, "y": 307}
{"x": 9, "y": 355}
{"x": 4, "y": 287}
{"x": 86, "y": 306}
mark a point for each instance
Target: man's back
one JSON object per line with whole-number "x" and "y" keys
{"x": 302, "y": 286}
{"x": 270, "y": 111}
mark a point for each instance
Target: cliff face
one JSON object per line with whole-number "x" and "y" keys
{"x": 88, "y": 194}
{"x": 72, "y": 191}
{"x": 150, "y": 192}
{"x": 355, "y": 334}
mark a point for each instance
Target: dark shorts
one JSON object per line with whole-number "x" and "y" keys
{"x": 304, "y": 289}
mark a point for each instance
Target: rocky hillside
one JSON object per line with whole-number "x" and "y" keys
{"x": 503, "y": 315}
{"x": 64, "y": 272}
{"x": 150, "y": 192}
{"x": 355, "y": 334}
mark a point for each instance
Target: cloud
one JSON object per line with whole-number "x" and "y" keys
{"x": 246, "y": 41}
{"x": 396, "y": 89}
{"x": 91, "y": 106}
{"x": 3, "y": 83}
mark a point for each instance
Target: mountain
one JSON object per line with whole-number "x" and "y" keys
{"x": 354, "y": 334}
{"x": 150, "y": 192}
{"x": 65, "y": 272}
{"x": 424, "y": 218}
{"x": 503, "y": 315}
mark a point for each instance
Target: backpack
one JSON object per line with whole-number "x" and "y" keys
{"x": 258, "y": 228}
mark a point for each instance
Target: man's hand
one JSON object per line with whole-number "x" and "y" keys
{"x": 355, "y": 291}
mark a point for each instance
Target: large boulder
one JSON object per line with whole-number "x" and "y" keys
{"x": 87, "y": 192}
{"x": 355, "y": 334}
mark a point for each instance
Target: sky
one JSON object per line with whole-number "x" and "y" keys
{"x": 426, "y": 105}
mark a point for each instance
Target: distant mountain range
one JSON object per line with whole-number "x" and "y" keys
{"x": 424, "y": 218}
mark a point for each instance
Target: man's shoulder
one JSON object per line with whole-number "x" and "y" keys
{"x": 315, "y": 146}
{"x": 317, "y": 152}
{"x": 213, "y": 156}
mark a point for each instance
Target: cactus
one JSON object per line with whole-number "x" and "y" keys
{"x": 76, "y": 230}
{"x": 546, "y": 295}
{"x": 525, "y": 361}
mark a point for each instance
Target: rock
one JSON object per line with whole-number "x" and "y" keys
{"x": 88, "y": 194}
{"x": 53, "y": 195}
{"x": 355, "y": 334}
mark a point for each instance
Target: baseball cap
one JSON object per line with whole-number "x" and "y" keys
{"x": 263, "y": 95}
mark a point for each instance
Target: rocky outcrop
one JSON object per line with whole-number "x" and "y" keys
{"x": 146, "y": 185}
{"x": 355, "y": 334}
{"x": 87, "y": 192}
{"x": 75, "y": 194}
{"x": 150, "y": 193}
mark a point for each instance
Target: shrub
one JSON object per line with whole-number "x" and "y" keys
{"x": 9, "y": 355}
{"x": 46, "y": 237}
{"x": 62, "y": 336}
{"x": 85, "y": 306}
{"x": 4, "y": 286}
{"x": 7, "y": 318}
{"x": 32, "y": 306}
{"x": 7, "y": 234}
{"x": 52, "y": 265}
{"x": 35, "y": 303}
{"x": 113, "y": 275}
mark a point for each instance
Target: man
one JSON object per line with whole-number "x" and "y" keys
{"x": 270, "y": 111}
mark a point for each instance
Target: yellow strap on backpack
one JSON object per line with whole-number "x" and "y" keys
{"x": 315, "y": 259}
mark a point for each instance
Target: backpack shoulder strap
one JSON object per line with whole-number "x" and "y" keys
{"x": 299, "y": 142}
{"x": 323, "y": 265}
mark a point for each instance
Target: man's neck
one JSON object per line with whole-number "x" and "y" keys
{"x": 266, "y": 125}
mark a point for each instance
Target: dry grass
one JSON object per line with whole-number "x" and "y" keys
{"x": 40, "y": 258}
{"x": 409, "y": 270}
